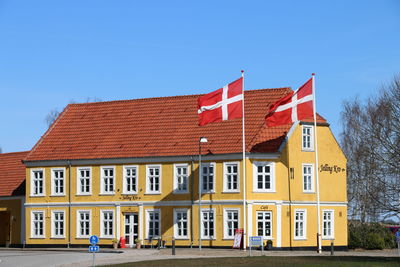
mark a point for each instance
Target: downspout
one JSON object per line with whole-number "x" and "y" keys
{"x": 69, "y": 204}
{"x": 191, "y": 200}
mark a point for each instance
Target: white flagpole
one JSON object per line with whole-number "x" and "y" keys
{"x": 316, "y": 167}
{"x": 245, "y": 237}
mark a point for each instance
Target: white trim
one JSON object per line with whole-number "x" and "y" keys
{"x": 225, "y": 217}
{"x": 155, "y": 192}
{"x": 208, "y": 164}
{"x": 272, "y": 175}
{"x": 78, "y": 227}
{"x": 102, "y": 235}
{"x": 43, "y": 212}
{"x": 78, "y": 181}
{"x": 102, "y": 184}
{"x": 250, "y": 220}
{"x": 311, "y": 148}
{"x": 176, "y": 190}
{"x": 304, "y": 236}
{"x": 176, "y": 225}
{"x": 52, "y": 190}
{"x": 278, "y": 225}
{"x": 124, "y": 182}
{"x": 141, "y": 223}
{"x": 213, "y": 237}
{"x": 225, "y": 180}
{"x": 332, "y": 236}
{"x": 311, "y": 166}
{"x": 148, "y": 222}
{"x": 52, "y": 226}
{"x": 32, "y": 183}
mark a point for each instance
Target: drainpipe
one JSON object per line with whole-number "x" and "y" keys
{"x": 192, "y": 200}
{"x": 69, "y": 204}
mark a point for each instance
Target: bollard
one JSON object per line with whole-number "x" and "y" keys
{"x": 332, "y": 248}
{"x": 173, "y": 246}
{"x": 159, "y": 243}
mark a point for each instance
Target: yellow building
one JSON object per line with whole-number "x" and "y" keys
{"x": 130, "y": 169}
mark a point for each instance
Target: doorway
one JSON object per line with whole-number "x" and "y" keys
{"x": 131, "y": 229}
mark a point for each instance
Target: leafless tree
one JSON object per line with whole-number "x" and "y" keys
{"x": 54, "y": 113}
{"x": 371, "y": 141}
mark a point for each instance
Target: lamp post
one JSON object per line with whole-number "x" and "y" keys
{"x": 201, "y": 140}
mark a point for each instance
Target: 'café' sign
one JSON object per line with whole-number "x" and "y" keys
{"x": 331, "y": 169}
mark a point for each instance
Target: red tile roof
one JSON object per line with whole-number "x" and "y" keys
{"x": 162, "y": 126}
{"x": 12, "y": 174}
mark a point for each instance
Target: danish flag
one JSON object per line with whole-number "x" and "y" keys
{"x": 222, "y": 104}
{"x": 295, "y": 106}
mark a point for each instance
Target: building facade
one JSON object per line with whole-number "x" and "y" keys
{"x": 131, "y": 169}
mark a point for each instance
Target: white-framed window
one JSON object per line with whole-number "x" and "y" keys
{"x": 307, "y": 138}
{"x": 107, "y": 223}
{"x": 153, "y": 223}
{"x": 231, "y": 177}
{"x": 37, "y": 182}
{"x": 263, "y": 176}
{"x": 208, "y": 176}
{"x": 57, "y": 224}
{"x": 328, "y": 224}
{"x": 308, "y": 177}
{"x": 181, "y": 223}
{"x": 231, "y": 222}
{"x": 58, "y": 182}
{"x": 264, "y": 223}
{"x": 107, "y": 180}
{"x": 300, "y": 224}
{"x": 83, "y": 220}
{"x": 130, "y": 179}
{"x": 84, "y": 180}
{"x": 208, "y": 224}
{"x": 153, "y": 179}
{"x": 181, "y": 181}
{"x": 37, "y": 224}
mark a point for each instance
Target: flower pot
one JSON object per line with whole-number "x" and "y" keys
{"x": 138, "y": 245}
{"x": 115, "y": 245}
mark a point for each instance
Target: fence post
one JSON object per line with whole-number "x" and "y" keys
{"x": 159, "y": 243}
{"x": 332, "y": 248}
{"x": 173, "y": 246}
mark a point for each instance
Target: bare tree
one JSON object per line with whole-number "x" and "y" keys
{"x": 371, "y": 142}
{"x": 54, "y": 113}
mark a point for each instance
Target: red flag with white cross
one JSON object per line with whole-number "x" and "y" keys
{"x": 295, "y": 106}
{"x": 222, "y": 104}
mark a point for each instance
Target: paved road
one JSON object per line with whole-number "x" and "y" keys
{"x": 78, "y": 258}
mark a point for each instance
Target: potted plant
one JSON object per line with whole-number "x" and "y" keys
{"x": 115, "y": 243}
{"x": 138, "y": 243}
{"x": 269, "y": 244}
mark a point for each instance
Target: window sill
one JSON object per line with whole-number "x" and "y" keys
{"x": 208, "y": 239}
{"x": 328, "y": 238}
{"x": 181, "y": 238}
{"x": 82, "y": 237}
{"x": 265, "y": 191}
{"x": 308, "y": 192}
{"x": 57, "y": 195}
{"x": 307, "y": 150}
{"x": 180, "y": 192}
{"x": 107, "y": 237}
{"x": 83, "y": 194}
{"x": 231, "y": 192}
{"x": 129, "y": 193}
{"x": 152, "y": 193}
{"x": 207, "y": 192}
{"x": 38, "y": 237}
{"x": 57, "y": 237}
{"x": 107, "y": 194}
{"x": 300, "y": 239}
{"x": 37, "y": 195}
{"x": 228, "y": 238}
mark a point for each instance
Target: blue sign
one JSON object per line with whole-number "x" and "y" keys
{"x": 94, "y": 239}
{"x": 398, "y": 236}
{"x": 94, "y": 248}
{"x": 255, "y": 241}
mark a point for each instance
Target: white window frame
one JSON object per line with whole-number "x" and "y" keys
{"x": 226, "y": 228}
{"x": 176, "y": 182}
{"x": 33, "y": 235}
{"x": 78, "y": 225}
{"x": 78, "y": 181}
{"x": 153, "y": 192}
{"x": 102, "y": 180}
{"x": 304, "y": 236}
{"x": 176, "y": 226}
{"x": 53, "y": 183}
{"x": 125, "y": 179}
{"x": 264, "y": 221}
{"x": 312, "y": 182}
{"x": 256, "y": 164}
{"x": 208, "y": 164}
{"x": 53, "y": 226}
{"x": 33, "y": 183}
{"x": 148, "y": 223}
{"x": 102, "y": 235}
{"x": 311, "y": 136}
{"x": 225, "y": 187}
{"x": 213, "y": 237}
{"x": 332, "y": 222}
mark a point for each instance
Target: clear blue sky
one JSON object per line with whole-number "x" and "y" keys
{"x": 52, "y": 52}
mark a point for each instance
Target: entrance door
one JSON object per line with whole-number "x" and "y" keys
{"x": 131, "y": 228}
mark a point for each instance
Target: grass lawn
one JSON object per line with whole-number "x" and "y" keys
{"x": 271, "y": 261}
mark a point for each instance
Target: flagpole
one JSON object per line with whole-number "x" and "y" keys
{"x": 245, "y": 237}
{"x": 319, "y": 241}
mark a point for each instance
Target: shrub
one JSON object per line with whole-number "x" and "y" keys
{"x": 370, "y": 236}
{"x": 374, "y": 241}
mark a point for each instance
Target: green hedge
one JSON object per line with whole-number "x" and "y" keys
{"x": 370, "y": 236}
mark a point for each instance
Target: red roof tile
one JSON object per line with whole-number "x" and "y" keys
{"x": 12, "y": 174}
{"x": 163, "y": 126}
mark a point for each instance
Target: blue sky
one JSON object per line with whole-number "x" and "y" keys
{"x": 52, "y": 52}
